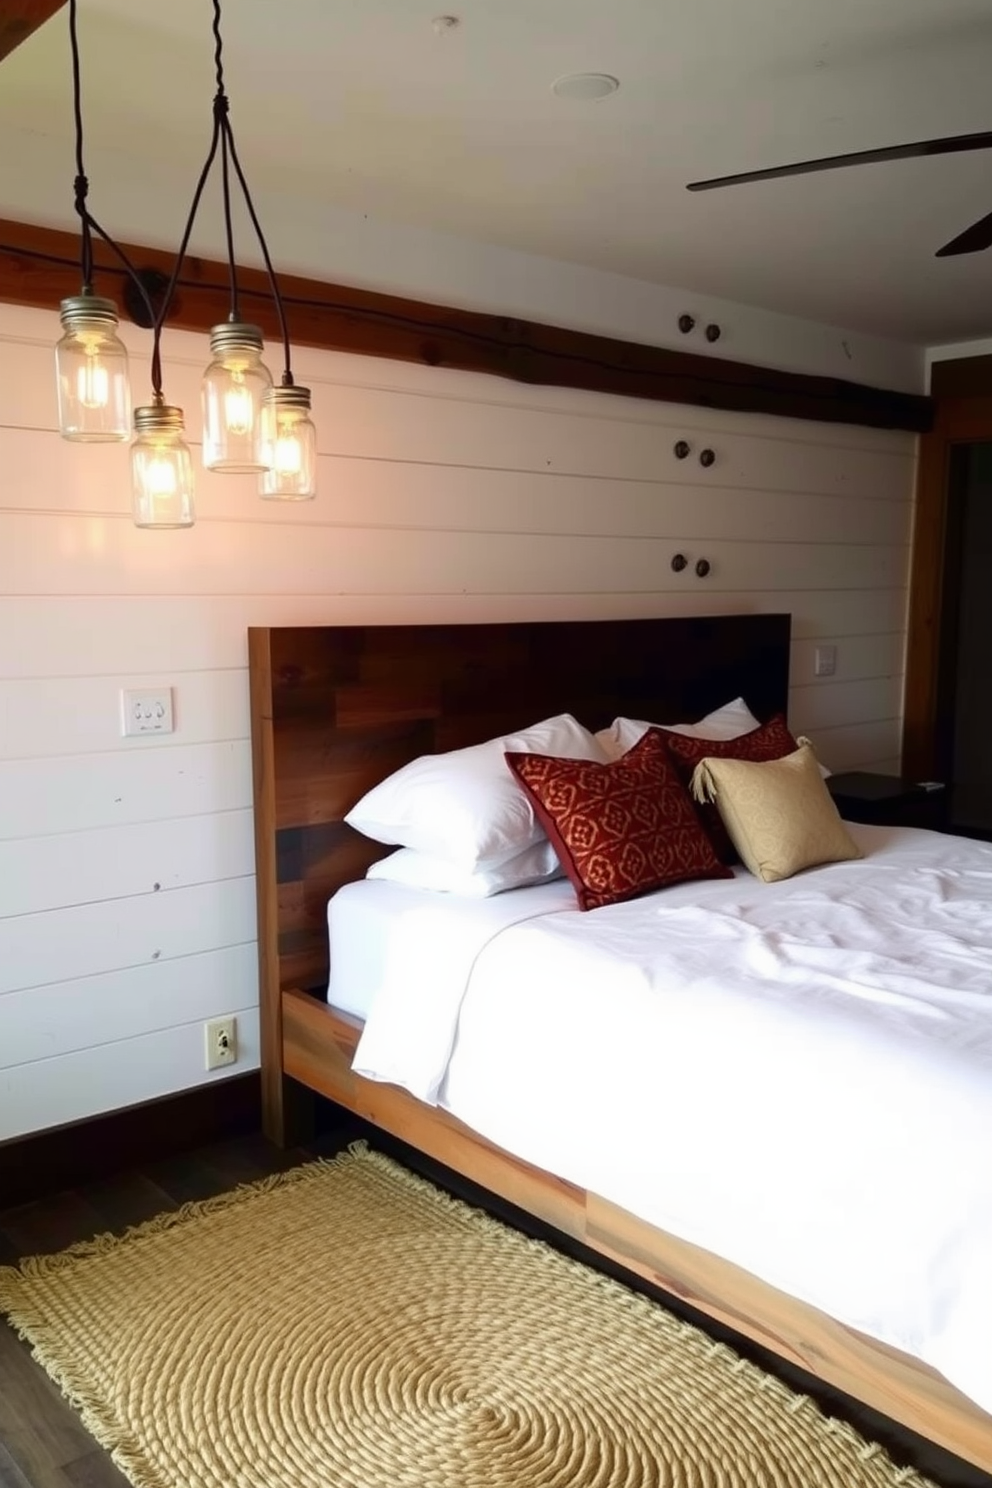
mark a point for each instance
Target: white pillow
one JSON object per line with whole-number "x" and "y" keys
{"x": 466, "y": 806}
{"x": 728, "y": 722}
{"x": 537, "y": 864}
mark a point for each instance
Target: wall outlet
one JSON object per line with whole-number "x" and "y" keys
{"x": 220, "y": 1037}
{"x": 146, "y": 710}
{"x": 825, "y": 661}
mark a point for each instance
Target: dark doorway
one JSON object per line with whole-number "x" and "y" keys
{"x": 964, "y": 714}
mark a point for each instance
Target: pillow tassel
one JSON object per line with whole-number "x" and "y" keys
{"x": 701, "y": 785}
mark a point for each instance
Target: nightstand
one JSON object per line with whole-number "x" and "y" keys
{"x": 888, "y": 800}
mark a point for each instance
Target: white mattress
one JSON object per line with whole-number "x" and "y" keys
{"x": 796, "y": 1076}
{"x": 384, "y": 934}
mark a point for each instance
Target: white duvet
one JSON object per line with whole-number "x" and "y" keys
{"x": 795, "y": 1076}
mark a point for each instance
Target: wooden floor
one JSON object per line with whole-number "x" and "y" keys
{"x": 43, "y": 1445}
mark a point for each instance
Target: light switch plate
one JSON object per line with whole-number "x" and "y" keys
{"x": 825, "y": 661}
{"x": 146, "y": 710}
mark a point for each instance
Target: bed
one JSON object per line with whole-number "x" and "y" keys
{"x": 337, "y": 709}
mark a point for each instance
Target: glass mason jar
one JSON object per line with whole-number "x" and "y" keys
{"x": 161, "y": 468}
{"x": 91, "y": 371}
{"x": 288, "y": 446}
{"x": 233, "y": 387}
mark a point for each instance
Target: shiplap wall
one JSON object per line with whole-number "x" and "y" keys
{"x": 126, "y": 889}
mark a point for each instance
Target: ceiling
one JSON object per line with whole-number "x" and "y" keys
{"x": 363, "y": 104}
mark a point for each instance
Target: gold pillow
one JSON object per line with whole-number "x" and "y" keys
{"x": 779, "y": 814}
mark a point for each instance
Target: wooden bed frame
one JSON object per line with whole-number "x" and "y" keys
{"x": 336, "y": 709}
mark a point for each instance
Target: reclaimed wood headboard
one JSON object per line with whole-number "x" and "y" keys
{"x": 337, "y": 708}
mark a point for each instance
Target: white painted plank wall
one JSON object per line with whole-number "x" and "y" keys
{"x": 126, "y": 866}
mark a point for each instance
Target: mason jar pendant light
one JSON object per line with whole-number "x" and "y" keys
{"x": 234, "y": 387}
{"x": 94, "y": 398}
{"x": 288, "y": 446}
{"x": 161, "y": 465}
{"x": 91, "y": 370}
{"x": 161, "y": 468}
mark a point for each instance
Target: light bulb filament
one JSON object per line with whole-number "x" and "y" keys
{"x": 288, "y": 455}
{"x": 93, "y": 383}
{"x": 238, "y": 409}
{"x": 160, "y": 477}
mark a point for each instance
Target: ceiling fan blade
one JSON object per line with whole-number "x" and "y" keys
{"x": 972, "y": 240}
{"x": 953, "y": 145}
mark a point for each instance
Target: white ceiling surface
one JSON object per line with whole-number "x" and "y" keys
{"x": 361, "y": 105}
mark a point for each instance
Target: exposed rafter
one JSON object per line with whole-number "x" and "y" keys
{"x": 19, "y": 19}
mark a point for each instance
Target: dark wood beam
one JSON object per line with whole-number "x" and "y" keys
{"x": 39, "y": 267}
{"x": 19, "y": 19}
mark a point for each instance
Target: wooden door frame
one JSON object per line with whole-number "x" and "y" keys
{"x": 961, "y": 417}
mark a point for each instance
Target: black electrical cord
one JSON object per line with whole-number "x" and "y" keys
{"x": 223, "y": 138}
{"x": 81, "y": 184}
{"x": 88, "y": 223}
{"x": 163, "y": 312}
{"x": 225, "y": 165}
{"x": 287, "y": 376}
{"x": 230, "y": 147}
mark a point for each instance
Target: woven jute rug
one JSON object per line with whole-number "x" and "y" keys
{"x": 349, "y": 1326}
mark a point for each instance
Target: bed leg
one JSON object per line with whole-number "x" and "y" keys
{"x": 288, "y": 1111}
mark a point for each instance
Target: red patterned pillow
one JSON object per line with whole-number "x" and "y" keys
{"x": 771, "y": 741}
{"x": 619, "y": 829}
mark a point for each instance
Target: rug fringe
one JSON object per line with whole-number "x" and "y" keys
{"x": 98, "y": 1419}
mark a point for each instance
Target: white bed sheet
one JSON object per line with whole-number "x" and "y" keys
{"x": 406, "y": 945}
{"x": 797, "y": 1077}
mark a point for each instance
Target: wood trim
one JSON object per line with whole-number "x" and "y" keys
{"x": 288, "y": 1107}
{"x": 958, "y": 420}
{"x": 65, "y": 1156}
{"x": 961, "y": 377}
{"x": 39, "y": 267}
{"x": 19, "y": 19}
{"x": 319, "y": 1047}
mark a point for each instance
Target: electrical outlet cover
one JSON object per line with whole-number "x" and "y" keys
{"x": 220, "y": 1037}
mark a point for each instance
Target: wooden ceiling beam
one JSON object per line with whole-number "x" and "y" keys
{"x": 40, "y": 266}
{"x": 19, "y": 19}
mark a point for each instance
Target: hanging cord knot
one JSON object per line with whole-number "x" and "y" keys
{"x": 81, "y": 186}
{"x": 222, "y": 104}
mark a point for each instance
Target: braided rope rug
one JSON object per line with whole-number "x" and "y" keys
{"x": 349, "y": 1326}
